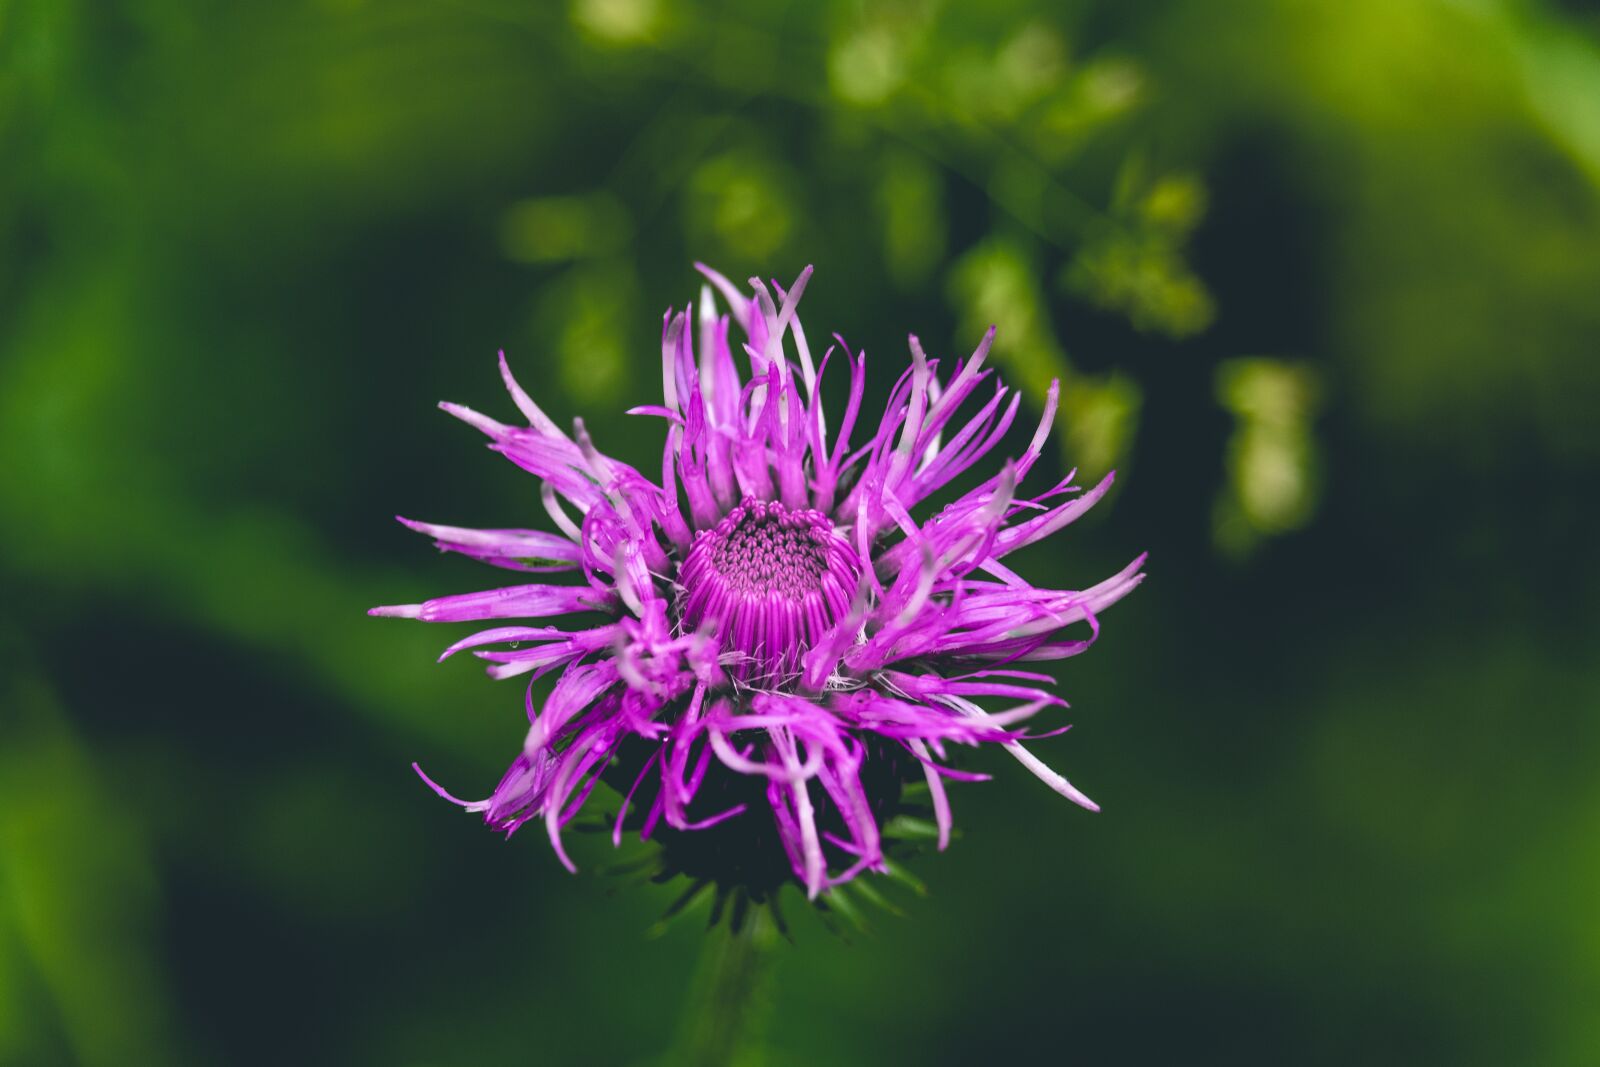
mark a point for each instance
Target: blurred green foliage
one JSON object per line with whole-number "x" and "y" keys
{"x": 1273, "y": 469}
{"x": 1345, "y": 737}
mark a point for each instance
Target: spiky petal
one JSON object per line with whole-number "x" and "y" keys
{"x": 771, "y": 609}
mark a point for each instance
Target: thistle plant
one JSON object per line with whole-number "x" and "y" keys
{"x": 767, "y": 650}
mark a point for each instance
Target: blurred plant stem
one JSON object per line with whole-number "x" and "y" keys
{"x": 730, "y": 1001}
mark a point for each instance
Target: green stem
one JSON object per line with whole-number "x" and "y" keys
{"x": 725, "y": 1019}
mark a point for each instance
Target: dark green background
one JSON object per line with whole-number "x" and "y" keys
{"x": 1323, "y": 279}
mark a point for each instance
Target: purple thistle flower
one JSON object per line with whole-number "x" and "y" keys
{"x": 781, "y": 645}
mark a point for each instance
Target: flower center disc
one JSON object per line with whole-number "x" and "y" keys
{"x": 771, "y": 581}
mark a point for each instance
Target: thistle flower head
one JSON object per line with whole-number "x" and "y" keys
{"x": 772, "y": 645}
